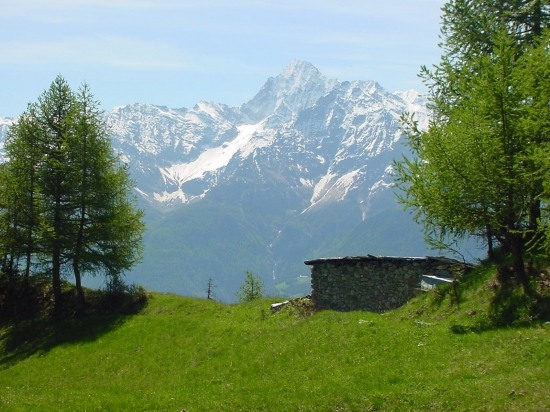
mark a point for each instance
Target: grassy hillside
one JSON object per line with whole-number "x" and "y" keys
{"x": 190, "y": 354}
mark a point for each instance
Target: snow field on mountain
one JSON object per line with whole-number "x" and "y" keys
{"x": 210, "y": 161}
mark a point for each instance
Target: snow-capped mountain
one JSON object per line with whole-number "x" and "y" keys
{"x": 300, "y": 171}
{"x": 324, "y": 138}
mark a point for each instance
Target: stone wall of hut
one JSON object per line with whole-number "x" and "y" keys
{"x": 372, "y": 283}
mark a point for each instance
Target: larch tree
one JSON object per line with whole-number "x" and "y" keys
{"x": 470, "y": 29}
{"x": 72, "y": 196}
{"x": 474, "y": 170}
{"x": 252, "y": 288}
{"x": 107, "y": 227}
{"x": 55, "y": 114}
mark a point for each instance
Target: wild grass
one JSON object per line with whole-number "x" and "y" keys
{"x": 190, "y": 354}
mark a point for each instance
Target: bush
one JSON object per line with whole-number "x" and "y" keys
{"x": 120, "y": 297}
{"x": 299, "y": 307}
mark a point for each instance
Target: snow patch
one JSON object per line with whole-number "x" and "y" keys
{"x": 380, "y": 185}
{"x": 210, "y": 160}
{"x": 388, "y": 171}
{"x": 166, "y": 197}
{"x": 141, "y": 192}
{"x": 346, "y": 183}
{"x": 416, "y": 103}
{"x": 326, "y": 190}
{"x": 307, "y": 182}
{"x": 207, "y": 108}
{"x": 322, "y": 187}
{"x": 409, "y": 96}
{"x": 257, "y": 140}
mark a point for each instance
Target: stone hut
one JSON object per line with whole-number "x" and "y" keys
{"x": 376, "y": 283}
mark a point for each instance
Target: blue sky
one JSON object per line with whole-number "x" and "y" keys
{"x": 176, "y": 53}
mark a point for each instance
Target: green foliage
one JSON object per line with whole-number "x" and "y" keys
{"x": 252, "y": 288}
{"x": 480, "y": 168}
{"x": 66, "y": 203}
{"x": 299, "y": 307}
{"x": 471, "y": 173}
{"x": 469, "y": 27}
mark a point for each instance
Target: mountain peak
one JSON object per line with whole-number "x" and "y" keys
{"x": 297, "y": 74}
{"x": 297, "y": 67}
{"x": 297, "y": 87}
{"x": 410, "y": 96}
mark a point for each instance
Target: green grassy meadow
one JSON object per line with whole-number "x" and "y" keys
{"x": 190, "y": 354}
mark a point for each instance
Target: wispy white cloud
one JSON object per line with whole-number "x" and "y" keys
{"x": 98, "y": 51}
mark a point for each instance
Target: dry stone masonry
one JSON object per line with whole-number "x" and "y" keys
{"x": 374, "y": 283}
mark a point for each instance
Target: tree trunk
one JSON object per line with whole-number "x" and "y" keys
{"x": 80, "y": 299}
{"x": 534, "y": 235}
{"x": 516, "y": 246}
{"x": 537, "y": 17}
{"x": 56, "y": 282}
{"x": 81, "y": 303}
{"x": 56, "y": 257}
{"x": 490, "y": 250}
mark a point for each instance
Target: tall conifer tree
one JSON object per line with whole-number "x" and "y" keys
{"x": 107, "y": 228}
{"x": 67, "y": 201}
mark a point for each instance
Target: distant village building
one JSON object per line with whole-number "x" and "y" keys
{"x": 376, "y": 283}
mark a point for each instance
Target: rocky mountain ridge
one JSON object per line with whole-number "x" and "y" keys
{"x": 322, "y": 135}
